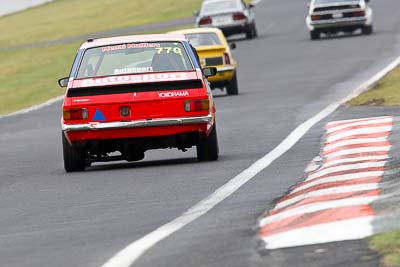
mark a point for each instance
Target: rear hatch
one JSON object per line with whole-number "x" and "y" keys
{"x": 337, "y": 6}
{"x": 212, "y": 55}
{"x": 154, "y": 96}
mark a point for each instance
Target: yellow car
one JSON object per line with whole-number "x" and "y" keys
{"x": 214, "y": 51}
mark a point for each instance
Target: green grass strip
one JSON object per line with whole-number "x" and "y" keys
{"x": 388, "y": 245}
{"x": 30, "y": 76}
{"x": 67, "y": 18}
{"x": 386, "y": 93}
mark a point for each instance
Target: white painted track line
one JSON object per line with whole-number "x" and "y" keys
{"x": 127, "y": 256}
{"x": 322, "y": 233}
{"x": 314, "y": 207}
{"x": 33, "y": 108}
{"x": 131, "y": 253}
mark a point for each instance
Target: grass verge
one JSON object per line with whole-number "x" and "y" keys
{"x": 386, "y": 93}
{"x": 388, "y": 245}
{"x": 30, "y": 76}
{"x": 68, "y": 18}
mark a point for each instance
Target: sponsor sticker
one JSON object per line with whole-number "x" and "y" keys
{"x": 123, "y": 79}
{"x": 129, "y": 46}
{"x": 173, "y": 94}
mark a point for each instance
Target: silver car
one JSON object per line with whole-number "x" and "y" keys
{"x": 231, "y": 16}
{"x": 333, "y": 16}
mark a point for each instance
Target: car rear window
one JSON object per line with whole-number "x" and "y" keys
{"x": 213, "y": 7}
{"x": 206, "y": 38}
{"x": 133, "y": 58}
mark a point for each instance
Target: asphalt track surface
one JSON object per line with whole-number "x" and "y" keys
{"x": 50, "y": 218}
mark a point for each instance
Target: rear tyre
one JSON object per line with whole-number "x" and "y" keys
{"x": 232, "y": 87}
{"x": 367, "y": 30}
{"x": 315, "y": 35}
{"x": 207, "y": 147}
{"x": 255, "y": 33}
{"x": 251, "y": 32}
{"x": 74, "y": 158}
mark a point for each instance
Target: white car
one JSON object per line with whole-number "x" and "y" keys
{"x": 230, "y": 16}
{"x": 333, "y": 16}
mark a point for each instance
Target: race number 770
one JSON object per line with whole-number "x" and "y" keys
{"x": 168, "y": 50}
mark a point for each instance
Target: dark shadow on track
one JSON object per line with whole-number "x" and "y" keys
{"x": 344, "y": 35}
{"x": 141, "y": 164}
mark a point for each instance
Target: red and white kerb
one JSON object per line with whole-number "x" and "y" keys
{"x": 333, "y": 203}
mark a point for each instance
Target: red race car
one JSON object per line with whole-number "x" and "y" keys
{"x": 126, "y": 95}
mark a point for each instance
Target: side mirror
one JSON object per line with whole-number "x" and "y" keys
{"x": 251, "y": 5}
{"x": 63, "y": 82}
{"x": 211, "y": 71}
{"x": 196, "y": 13}
{"x": 232, "y": 46}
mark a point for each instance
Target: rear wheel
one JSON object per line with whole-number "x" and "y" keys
{"x": 255, "y": 33}
{"x": 315, "y": 35}
{"x": 232, "y": 87}
{"x": 207, "y": 147}
{"x": 74, "y": 158}
{"x": 368, "y": 29}
{"x": 252, "y": 31}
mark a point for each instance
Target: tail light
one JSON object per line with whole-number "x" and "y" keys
{"x": 315, "y": 17}
{"x": 205, "y": 21}
{"x": 238, "y": 16}
{"x": 75, "y": 114}
{"x": 227, "y": 59}
{"x": 359, "y": 13}
{"x": 197, "y": 105}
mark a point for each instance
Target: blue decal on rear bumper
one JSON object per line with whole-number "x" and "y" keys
{"x": 98, "y": 116}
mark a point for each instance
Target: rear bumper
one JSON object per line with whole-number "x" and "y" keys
{"x": 230, "y": 29}
{"x": 140, "y": 128}
{"x": 338, "y": 23}
{"x": 136, "y": 124}
{"x": 223, "y": 74}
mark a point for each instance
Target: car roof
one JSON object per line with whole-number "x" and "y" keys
{"x": 133, "y": 39}
{"x": 197, "y": 30}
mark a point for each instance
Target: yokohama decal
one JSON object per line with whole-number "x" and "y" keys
{"x": 173, "y": 94}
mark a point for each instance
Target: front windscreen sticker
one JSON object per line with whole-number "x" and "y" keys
{"x": 169, "y": 50}
{"x": 98, "y": 116}
{"x": 129, "y": 46}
